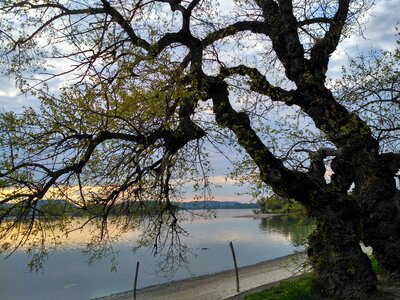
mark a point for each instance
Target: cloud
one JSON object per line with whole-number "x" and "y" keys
{"x": 379, "y": 34}
{"x": 15, "y": 103}
{"x": 223, "y": 180}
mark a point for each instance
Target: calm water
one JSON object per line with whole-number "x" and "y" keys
{"x": 67, "y": 274}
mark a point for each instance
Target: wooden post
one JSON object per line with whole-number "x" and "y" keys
{"x": 135, "y": 284}
{"x": 235, "y": 264}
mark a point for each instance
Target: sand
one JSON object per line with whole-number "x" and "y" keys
{"x": 221, "y": 285}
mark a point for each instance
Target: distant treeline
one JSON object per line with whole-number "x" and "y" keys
{"x": 59, "y": 208}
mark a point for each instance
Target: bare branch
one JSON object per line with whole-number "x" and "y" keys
{"x": 125, "y": 25}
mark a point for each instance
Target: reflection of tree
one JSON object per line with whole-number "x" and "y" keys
{"x": 159, "y": 232}
{"x": 295, "y": 227}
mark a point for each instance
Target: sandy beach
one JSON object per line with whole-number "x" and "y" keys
{"x": 221, "y": 285}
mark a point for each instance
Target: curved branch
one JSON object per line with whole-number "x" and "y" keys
{"x": 54, "y": 175}
{"x": 253, "y": 26}
{"x": 323, "y": 48}
{"x": 25, "y": 165}
{"x": 260, "y": 84}
{"x": 64, "y": 12}
{"x": 272, "y": 171}
{"x": 321, "y": 153}
{"x": 117, "y": 17}
{"x": 314, "y": 21}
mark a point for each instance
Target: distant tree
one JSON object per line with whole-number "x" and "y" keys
{"x": 278, "y": 204}
{"x": 147, "y": 83}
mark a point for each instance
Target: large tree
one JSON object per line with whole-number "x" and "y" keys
{"x": 147, "y": 82}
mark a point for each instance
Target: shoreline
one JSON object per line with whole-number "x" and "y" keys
{"x": 262, "y": 216}
{"x": 220, "y": 285}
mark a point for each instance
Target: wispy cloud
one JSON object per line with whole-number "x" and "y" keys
{"x": 379, "y": 33}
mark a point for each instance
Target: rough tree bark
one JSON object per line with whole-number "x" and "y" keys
{"x": 342, "y": 268}
{"x": 116, "y": 40}
{"x": 377, "y": 199}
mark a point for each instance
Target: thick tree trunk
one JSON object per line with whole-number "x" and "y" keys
{"x": 381, "y": 221}
{"x": 377, "y": 199}
{"x": 342, "y": 269}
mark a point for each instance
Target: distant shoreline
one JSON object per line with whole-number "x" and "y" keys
{"x": 205, "y": 205}
{"x": 262, "y": 216}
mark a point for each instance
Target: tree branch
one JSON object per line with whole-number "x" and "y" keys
{"x": 117, "y": 17}
{"x": 284, "y": 35}
{"x": 253, "y": 26}
{"x": 323, "y": 48}
{"x": 259, "y": 83}
{"x": 272, "y": 171}
{"x": 317, "y": 166}
{"x": 314, "y": 21}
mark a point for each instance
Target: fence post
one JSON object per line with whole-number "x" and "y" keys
{"x": 136, "y": 277}
{"x": 235, "y": 264}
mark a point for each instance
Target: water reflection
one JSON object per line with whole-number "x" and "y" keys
{"x": 75, "y": 236}
{"x": 67, "y": 274}
{"x": 296, "y": 228}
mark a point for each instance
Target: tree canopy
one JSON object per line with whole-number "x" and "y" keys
{"x": 147, "y": 85}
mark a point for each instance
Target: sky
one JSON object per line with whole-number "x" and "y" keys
{"x": 379, "y": 33}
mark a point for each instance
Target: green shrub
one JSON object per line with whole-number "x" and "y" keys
{"x": 277, "y": 204}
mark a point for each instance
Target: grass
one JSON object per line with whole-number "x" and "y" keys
{"x": 376, "y": 266}
{"x": 303, "y": 288}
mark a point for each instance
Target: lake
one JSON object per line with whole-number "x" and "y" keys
{"x": 68, "y": 275}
